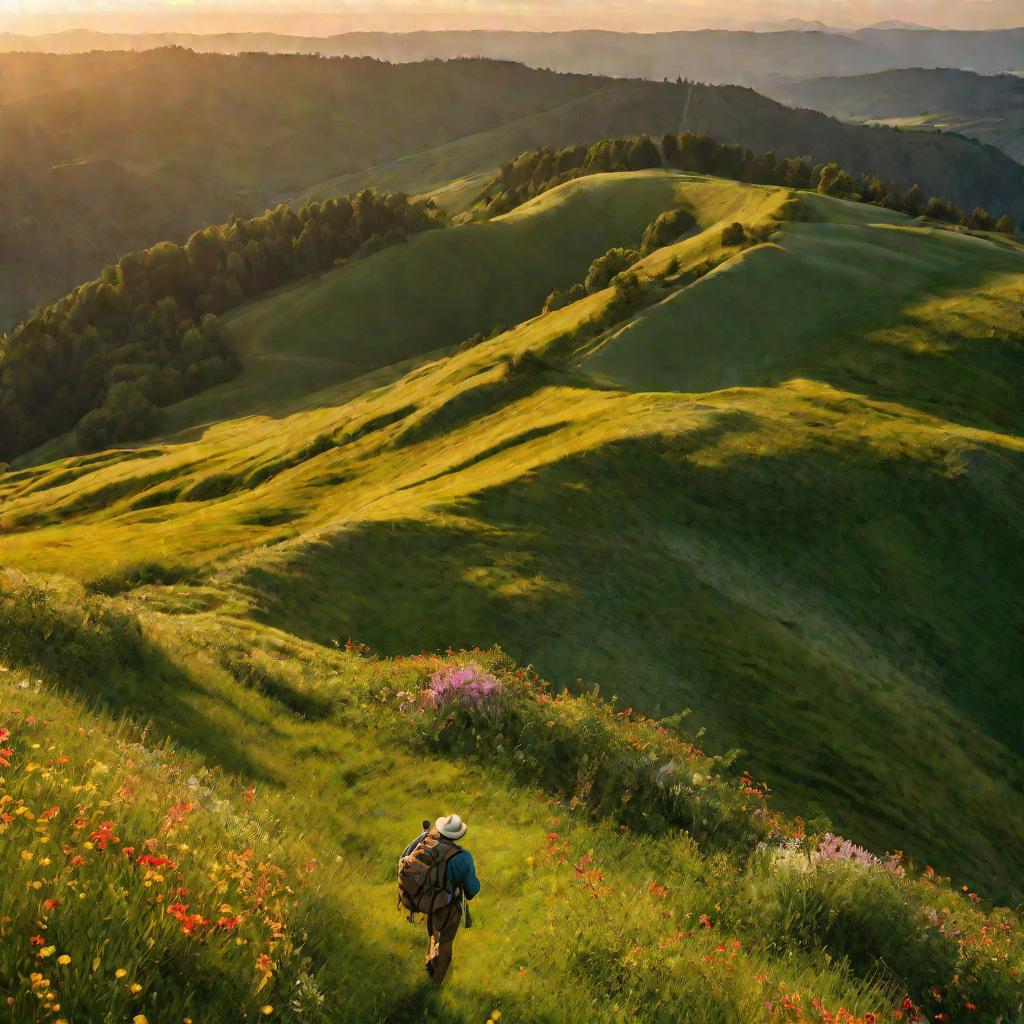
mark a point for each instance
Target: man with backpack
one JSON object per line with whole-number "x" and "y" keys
{"x": 434, "y": 874}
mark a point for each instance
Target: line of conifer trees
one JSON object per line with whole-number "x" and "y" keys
{"x": 147, "y": 332}
{"x": 542, "y": 169}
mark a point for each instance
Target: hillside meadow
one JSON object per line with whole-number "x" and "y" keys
{"x": 168, "y": 870}
{"x": 807, "y": 535}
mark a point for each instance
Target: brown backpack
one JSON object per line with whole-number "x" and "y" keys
{"x": 421, "y": 875}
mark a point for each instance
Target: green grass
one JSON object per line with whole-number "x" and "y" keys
{"x": 430, "y": 293}
{"x": 704, "y": 929}
{"x": 783, "y": 491}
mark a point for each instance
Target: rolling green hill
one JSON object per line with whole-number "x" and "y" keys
{"x": 775, "y": 482}
{"x": 104, "y": 152}
{"x": 989, "y": 108}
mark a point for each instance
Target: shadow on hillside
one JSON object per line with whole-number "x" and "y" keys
{"x": 102, "y": 658}
{"x": 811, "y": 605}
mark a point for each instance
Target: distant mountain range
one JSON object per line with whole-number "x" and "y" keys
{"x": 804, "y": 25}
{"x": 724, "y": 57}
{"x": 985, "y": 107}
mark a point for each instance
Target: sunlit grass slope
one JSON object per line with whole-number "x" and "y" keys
{"x": 809, "y": 535}
{"x": 433, "y": 292}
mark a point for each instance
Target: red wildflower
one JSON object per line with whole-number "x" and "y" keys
{"x": 50, "y": 812}
{"x": 78, "y": 861}
{"x": 705, "y": 920}
{"x": 149, "y": 861}
{"x": 227, "y": 923}
{"x": 51, "y": 904}
{"x": 37, "y": 940}
{"x": 6, "y": 753}
{"x": 104, "y": 835}
{"x": 189, "y": 922}
{"x": 5, "y": 734}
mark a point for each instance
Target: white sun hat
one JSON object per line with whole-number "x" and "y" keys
{"x": 451, "y": 826}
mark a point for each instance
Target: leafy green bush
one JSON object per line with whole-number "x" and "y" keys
{"x": 734, "y": 234}
{"x": 666, "y": 228}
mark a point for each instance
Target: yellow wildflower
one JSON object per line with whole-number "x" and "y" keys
{"x": 139, "y": 1018}
{"x": 63, "y": 959}
{"x": 135, "y": 988}
{"x": 266, "y": 1010}
{"x": 120, "y": 972}
{"x": 47, "y": 951}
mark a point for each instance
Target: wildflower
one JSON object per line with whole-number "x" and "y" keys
{"x": 120, "y": 972}
{"x": 176, "y": 815}
{"x": 139, "y": 1018}
{"x": 705, "y": 920}
{"x": 104, "y": 835}
{"x": 46, "y": 951}
{"x": 135, "y": 988}
{"x": 51, "y": 904}
{"x": 469, "y": 686}
{"x": 266, "y": 1010}
{"x": 150, "y": 861}
{"x": 63, "y": 959}
{"x": 37, "y": 940}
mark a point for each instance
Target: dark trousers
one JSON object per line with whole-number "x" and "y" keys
{"x": 442, "y": 926}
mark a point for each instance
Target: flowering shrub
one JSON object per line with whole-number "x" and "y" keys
{"x": 468, "y": 685}
{"x": 832, "y": 849}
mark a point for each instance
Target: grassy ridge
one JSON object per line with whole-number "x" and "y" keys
{"x": 768, "y": 554}
{"x": 462, "y": 281}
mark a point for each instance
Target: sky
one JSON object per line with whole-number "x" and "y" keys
{"x": 322, "y": 17}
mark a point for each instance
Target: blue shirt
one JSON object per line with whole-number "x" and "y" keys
{"x": 460, "y": 871}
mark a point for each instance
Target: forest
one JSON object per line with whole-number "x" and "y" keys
{"x": 537, "y": 171}
{"x": 147, "y": 332}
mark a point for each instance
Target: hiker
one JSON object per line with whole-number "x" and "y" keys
{"x": 434, "y": 874}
